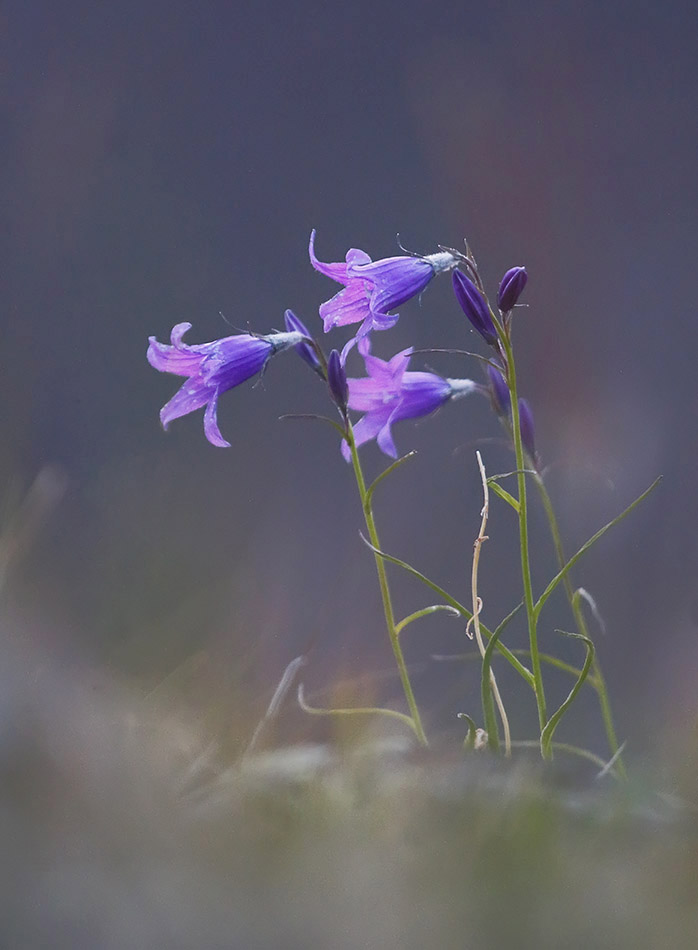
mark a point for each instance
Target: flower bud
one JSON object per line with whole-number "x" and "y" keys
{"x": 337, "y": 381}
{"x": 304, "y": 350}
{"x": 474, "y": 306}
{"x": 499, "y": 392}
{"x": 511, "y": 288}
{"x": 527, "y": 430}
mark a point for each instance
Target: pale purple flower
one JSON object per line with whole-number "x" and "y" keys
{"x": 390, "y": 393}
{"x": 372, "y": 288}
{"x": 395, "y": 280}
{"x": 211, "y": 369}
{"x": 511, "y": 288}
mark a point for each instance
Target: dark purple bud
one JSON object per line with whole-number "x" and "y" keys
{"x": 304, "y": 350}
{"x": 337, "y": 381}
{"x": 474, "y": 306}
{"x": 511, "y": 288}
{"x": 499, "y": 392}
{"x": 528, "y": 434}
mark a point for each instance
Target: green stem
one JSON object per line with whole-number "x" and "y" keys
{"x": 393, "y": 632}
{"x": 596, "y": 679}
{"x": 523, "y": 533}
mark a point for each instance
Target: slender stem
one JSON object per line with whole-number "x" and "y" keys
{"x": 596, "y": 679}
{"x": 523, "y": 534}
{"x": 393, "y": 633}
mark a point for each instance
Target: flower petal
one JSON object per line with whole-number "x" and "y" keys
{"x": 348, "y": 306}
{"x": 172, "y": 359}
{"x": 211, "y": 430}
{"x": 190, "y": 396}
{"x": 337, "y": 271}
{"x": 366, "y": 428}
{"x": 385, "y": 440}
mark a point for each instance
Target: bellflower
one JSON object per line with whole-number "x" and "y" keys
{"x": 372, "y": 288}
{"x": 212, "y": 369}
{"x": 511, "y": 288}
{"x": 395, "y": 280}
{"x": 390, "y": 393}
{"x": 475, "y": 307}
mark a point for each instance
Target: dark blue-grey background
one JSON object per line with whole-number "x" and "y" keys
{"x": 164, "y": 162}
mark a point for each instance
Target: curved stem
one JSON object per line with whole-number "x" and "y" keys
{"x": 523, "y": 533}
{"x": 393, "y": 633}
{"x": 596, "y": 679}
{"x": 477, "y": 607}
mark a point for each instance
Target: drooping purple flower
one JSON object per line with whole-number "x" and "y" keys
{"x": 212, "y": 369}
{"x": 499, "y": 391}
{"x": 305, "y": 350}
{"x": 337, "y": 381}
{"x": 528, "y": 432}
{"x": 372, "y": 288}
{"x": 390, "y": 393}
{"x": 350, "y": 305}
{"x": 511, "y": 288}
{"x": 475, "y": 307}
{"x": 397, "y": 279}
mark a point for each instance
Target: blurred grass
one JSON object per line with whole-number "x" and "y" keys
{"x": 130, "y": 817}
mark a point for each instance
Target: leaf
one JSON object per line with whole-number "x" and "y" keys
{"x": 469, "y": 742}
{"x": 355, "y": 711}
{"x": 424, "y": 612}
{"x": 313, "y": 415}
{"x": 389, "y": 470}
{"x": 462, "y": 610}
{"x": 546, "y": 736}
{"x": 540, "y": 603}
{"x": 504, "y": 494}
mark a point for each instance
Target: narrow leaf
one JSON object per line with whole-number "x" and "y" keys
{"x": 504, "y": 495}
{"x": 546, "y": 736}
{"x": 425, "y": 612}
{"x": 540, "y": 603}
{"x": 469, "y": 742}
{"x": 313, "y": 415}
{"x": 461, "y": 608}
{"x": 354, "y": 711}
{"x": 389, "y": 470}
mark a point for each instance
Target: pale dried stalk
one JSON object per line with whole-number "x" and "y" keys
{"x": 477, "y": 602}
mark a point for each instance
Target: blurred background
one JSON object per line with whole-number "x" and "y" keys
{"x": 165, "y": 162}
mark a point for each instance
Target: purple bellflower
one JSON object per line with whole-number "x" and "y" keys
{"x": 511, "y": 288}
{"x": 372, "y": 288}
{"x": 212, "y": 369}
{"x": 390, "y": 393}
{"x": 475, "y": 307}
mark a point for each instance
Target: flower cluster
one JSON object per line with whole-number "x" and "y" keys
{"x": 389, "y": 392}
